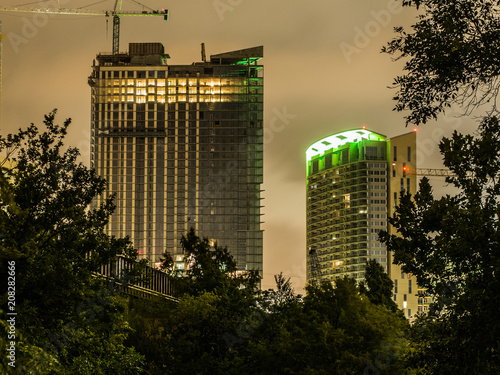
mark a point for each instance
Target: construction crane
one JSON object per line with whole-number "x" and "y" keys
{"x": 116, "y": 14}
{"x": 314, "y": 266}
{"x": 428, "y": 172}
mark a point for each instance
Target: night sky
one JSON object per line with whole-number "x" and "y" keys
{"x": 323, "y": 73}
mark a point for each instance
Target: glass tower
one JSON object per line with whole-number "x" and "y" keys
{"x": 345, "y": 172}
{"x": 181, "y": 146}
{"x": 354, "y": 180}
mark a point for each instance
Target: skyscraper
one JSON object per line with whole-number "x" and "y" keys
{"x": 354, "y": 179}
{"x": 181, "y": 146}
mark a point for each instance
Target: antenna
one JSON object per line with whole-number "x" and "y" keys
{"x": 203, "y": 57}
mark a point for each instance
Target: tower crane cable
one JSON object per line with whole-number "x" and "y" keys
{"x": 144, "y": 6}
{"x": 88, "y": 5}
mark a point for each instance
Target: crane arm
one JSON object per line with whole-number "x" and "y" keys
{"x": 428, "y": 172}
{"x": 84, "y": 12}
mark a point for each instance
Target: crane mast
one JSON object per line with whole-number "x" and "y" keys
{"x": 314, "y": 266}
{"x": 116, "y": 13}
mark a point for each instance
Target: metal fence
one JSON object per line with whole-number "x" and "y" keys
{"x": 151, "y": 282}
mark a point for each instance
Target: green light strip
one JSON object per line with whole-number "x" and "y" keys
{"x": 340, "y": 139}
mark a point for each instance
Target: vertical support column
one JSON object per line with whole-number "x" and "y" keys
{"x": 116, "y": 34}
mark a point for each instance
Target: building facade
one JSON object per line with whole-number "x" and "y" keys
{"x": 181, "y": 146}
{"x": 354, "y": 180}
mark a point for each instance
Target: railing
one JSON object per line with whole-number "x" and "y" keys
{"x": 151, "y": 282}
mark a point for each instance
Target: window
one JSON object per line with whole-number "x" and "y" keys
{"x": 404, "y": 169}
{"x": 345, "y": 156}
{"x": 409, "y": 153}
{"x": 328, "y": 161}
{"x": 395, "y": 286}
{"x": 315, "y": 166}
{"x": 409, "y": 313}
{"x": 408, "y": 185}
{"x": 371, "y": 153}
{"x": 409, "y": 286}
{"x": 395, "y": 153}
{"x": 402, "y": 275}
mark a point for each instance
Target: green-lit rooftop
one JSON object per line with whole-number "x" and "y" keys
{"x": 248, "y": 56}
{"x": 339, "y": 139}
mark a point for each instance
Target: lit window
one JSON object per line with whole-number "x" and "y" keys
{"x": 141, "y": 82}
{"x": 141, "y": 99}
{"x": 151, "y": 90}
{"x": 151, "y": 82}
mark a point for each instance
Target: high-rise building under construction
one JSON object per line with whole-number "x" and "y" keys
{"x": 354, "y": 181}
{"x": 181, "y": 146}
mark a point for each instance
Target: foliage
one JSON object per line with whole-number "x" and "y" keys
{"x": 332, "y": 331}
{"x": 378, "y": 286}
{"x": 194, "y": 335}
{"x": 57, "y": 242}
{"x": 451, "y": 245}
{"x": 218, "y": 327}
{"x": 210, "y": 269}
{"x": 284, "y": 295}
{"x": 98, "y": 347}
{"x": 450, "y": 57}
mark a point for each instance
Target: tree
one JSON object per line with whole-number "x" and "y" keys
{"x": 378, "y": 286}
{"x": 56, "y": 243}
{"x": 197, "y": 335}
{"x": 280, "y": 298}
{"x": 333, "y": 330}
{"x": 451, "y": 245}
{"x": 451, "y": 56}
{"x": 210, "y": 269}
